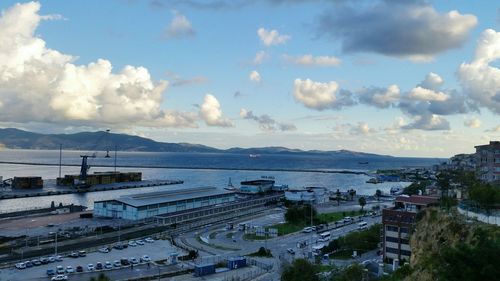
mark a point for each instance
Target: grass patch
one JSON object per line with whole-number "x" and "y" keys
{"x": 342, "y": 255}
{"x": 213, "y": 235}
{"x": 361, "y": 241}
{"x": 230, "y": 235}
{"x": 331, "y": 217}
{"x": 326, "y": 267}
{"x": 287, "y": 228}
{"x": 254, "y": 236}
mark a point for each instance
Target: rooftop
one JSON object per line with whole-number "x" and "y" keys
{"x": 151, "y": 198}
{"x": 418, "y": 199}
{"x": 257, "y": 182}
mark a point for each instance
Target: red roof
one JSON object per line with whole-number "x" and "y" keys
{"x": 418, "y": 199}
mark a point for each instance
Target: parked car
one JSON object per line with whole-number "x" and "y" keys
{"x": 145, "y": 258}
{"x": 104, "y": 250}
{"x": 59, "y": 258}
{"x": 108, "y": 265}
{"x": 124, "y": 262}
{"x": 139, "y": 242}
{"x": 36, "y": 262}
{"x": 133, "y": 260}
{"x": 60, "y": 269}
{"x": 69, "y": 269}
{"x": 28, "y": 264}
{"x": 52, "y": 259}
{"x": 44, "y": 260}
{"x": 290, "y": 251}
{"x": 73, "y": 255}
{"x": 307, "y": 229}
{"x": 117, "y": 263}
{"x": 149, "y": 240}
{"x": 90, "y": 267}
{"x": 51, "y": 272}
{"x": 132, "y": 243}
{"x": 98, "y": 266}
{"x": 79, "y": 268}
{"x": 20, "y": 265}
{"x": 59, "y": 277}
{"x": 82, "y": 253}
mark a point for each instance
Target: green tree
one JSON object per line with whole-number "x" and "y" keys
{"x": 337, "y": 196}
{"x": 352, "y": 193}
{"x": 362, "y": 202}
{"x": 300, "y": 270}
{"x": 101, "y": 277}
{"x": 486, "y": 195}
{"x": 378, "y": 193}
{"x": 355, "y": 272}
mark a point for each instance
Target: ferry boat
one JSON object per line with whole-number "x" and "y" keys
{"x": 396, "y": 190}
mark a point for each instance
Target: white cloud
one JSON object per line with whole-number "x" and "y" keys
{"x": 380, "y": 97}
{"x": 422, "y": 94}
{"x": 266, "y": 122}
{"x": 212, "y": 114}
{"x": 260, "y": 57}
{"x": 430, "y": 122}
{"x": 432, "y": 81}
{"x": 472, "y": 122}
{"x": 271, "y": 37}
{"x": 38, "y": 84}
{"x": 320, "y": 96}
{"x": 179, "y": 27}
{"x": 310, "y": 60}
{"x": 494, "y": 129}
{"x": 254, "y": 76}
{"x": 479, "y": 79}
{"x": 361, "y": 128}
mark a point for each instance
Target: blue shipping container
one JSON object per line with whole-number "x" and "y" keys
{"x": 234, "y": 263}
{"x": 204, "y": 269}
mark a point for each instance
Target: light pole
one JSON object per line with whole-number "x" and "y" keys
{"x": 56, "y": 245}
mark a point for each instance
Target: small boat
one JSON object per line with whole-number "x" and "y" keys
{"x": 373, "y": 180}
{"x": 363, "y": 163}
{"x": 254, "y": 155}
{"x": 230, "y": 186}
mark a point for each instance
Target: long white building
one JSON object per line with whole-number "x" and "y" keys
{"x": 147, "y": 205}
{"x": 316, "y": 195}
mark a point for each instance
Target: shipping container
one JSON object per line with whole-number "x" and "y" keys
{"x": 238, "y": 262}
{"x": 27, "y": 182}
{"x": 204, "y": 269}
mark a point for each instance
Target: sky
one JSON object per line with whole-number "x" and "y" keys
{"x": 404, "y": 78}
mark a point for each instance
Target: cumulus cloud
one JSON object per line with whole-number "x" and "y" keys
{"x": 266, "y": 122}
{"x": 406, "y": 29}
{"x": 271, "y": 37}
{"x": 320, "y": 96}
{"x": 38, "y": 84}
{"x": 423, "y": 94}
{"x": 260, "y": 57}
{"x": 380, "y": 97}
{"x": 494, "y": 129}
{"x": 361, "y": 128}
{"x": 211, "y": 112}
{"x": 310, "y": 60}
{"x": 179, "y": 27}
{"x": 254, "y": 76}
{"x": 472, "y": 122}
{"x": 479, "y": 79}
{"x": 429, "y": 122}
{"x": 432, "y": 81}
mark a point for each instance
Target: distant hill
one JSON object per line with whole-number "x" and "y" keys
{"x": 92, "y": 141}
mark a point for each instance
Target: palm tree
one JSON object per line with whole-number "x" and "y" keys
{"x": 352, "y": 193}
{"x": 362, "y": 202}
{"x": 378, "y": 193}
{"x": 337, "y": 194}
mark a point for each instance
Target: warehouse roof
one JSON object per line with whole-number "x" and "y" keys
{"x": 151, "y": 198}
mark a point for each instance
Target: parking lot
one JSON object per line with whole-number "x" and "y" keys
{"x": 158, "y": 250}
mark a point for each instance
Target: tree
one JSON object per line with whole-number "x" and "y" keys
{"x": 101, "y": 277}
{"x": 300, "y": 270}
{"x": 362, "y": 202}
{"x": 337, "y": 196}
{"x": 355, "y": 272}
{"x": 378, "y": 193}
{"x": 352, "y": 193}
{"x": 486, "y": 195}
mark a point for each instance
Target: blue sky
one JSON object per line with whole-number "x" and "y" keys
{"x": 403, "y": 78}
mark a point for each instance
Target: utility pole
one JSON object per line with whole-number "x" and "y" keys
{"x": 56, "y": 245}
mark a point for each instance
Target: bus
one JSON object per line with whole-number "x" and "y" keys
{"x": 362, "y": 225}
{"x": 324, "y": 237}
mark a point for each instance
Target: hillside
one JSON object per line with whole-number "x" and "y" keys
{"x": 19, "y": 139}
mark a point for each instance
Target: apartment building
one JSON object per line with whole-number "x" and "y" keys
{"x": 488, "y": 161}
{"x": 398, "y": 223}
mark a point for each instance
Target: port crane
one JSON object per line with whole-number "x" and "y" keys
{"x": 84, "y": 168}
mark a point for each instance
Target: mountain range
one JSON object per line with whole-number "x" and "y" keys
{"x": 92, "y": 141}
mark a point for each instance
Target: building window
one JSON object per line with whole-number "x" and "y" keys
{"x": 404, "y": 229}
{"x": 405, "y": 253}
{"x": 391, "y": 239}
{"x": 124, "y": 207}
{"x": 392, "y": 228}
{"x": 405, "y": 241}
{"x": 391, "y": 250}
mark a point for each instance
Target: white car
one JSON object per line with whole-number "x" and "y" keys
{"x": 133, "y": 260}
{"x": 104, "y": 250}
{"x": 117, "y": 263}
{"x": 59, "y": 269}
{"x": 108, "y": 265}
{"x": 307, "y": 230}
{"x": 145, "y": 258}
{"x": 90, "y": 267}
{"x": 59, "y": 277}
{"x": 69, "y": 269}
{"x": 132, "y": 243}
{"x": 20, "y": 265}
{"x": 139, "y": 242}
{"x": 149, "y": 240}
{"x": 59, "y": 258}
